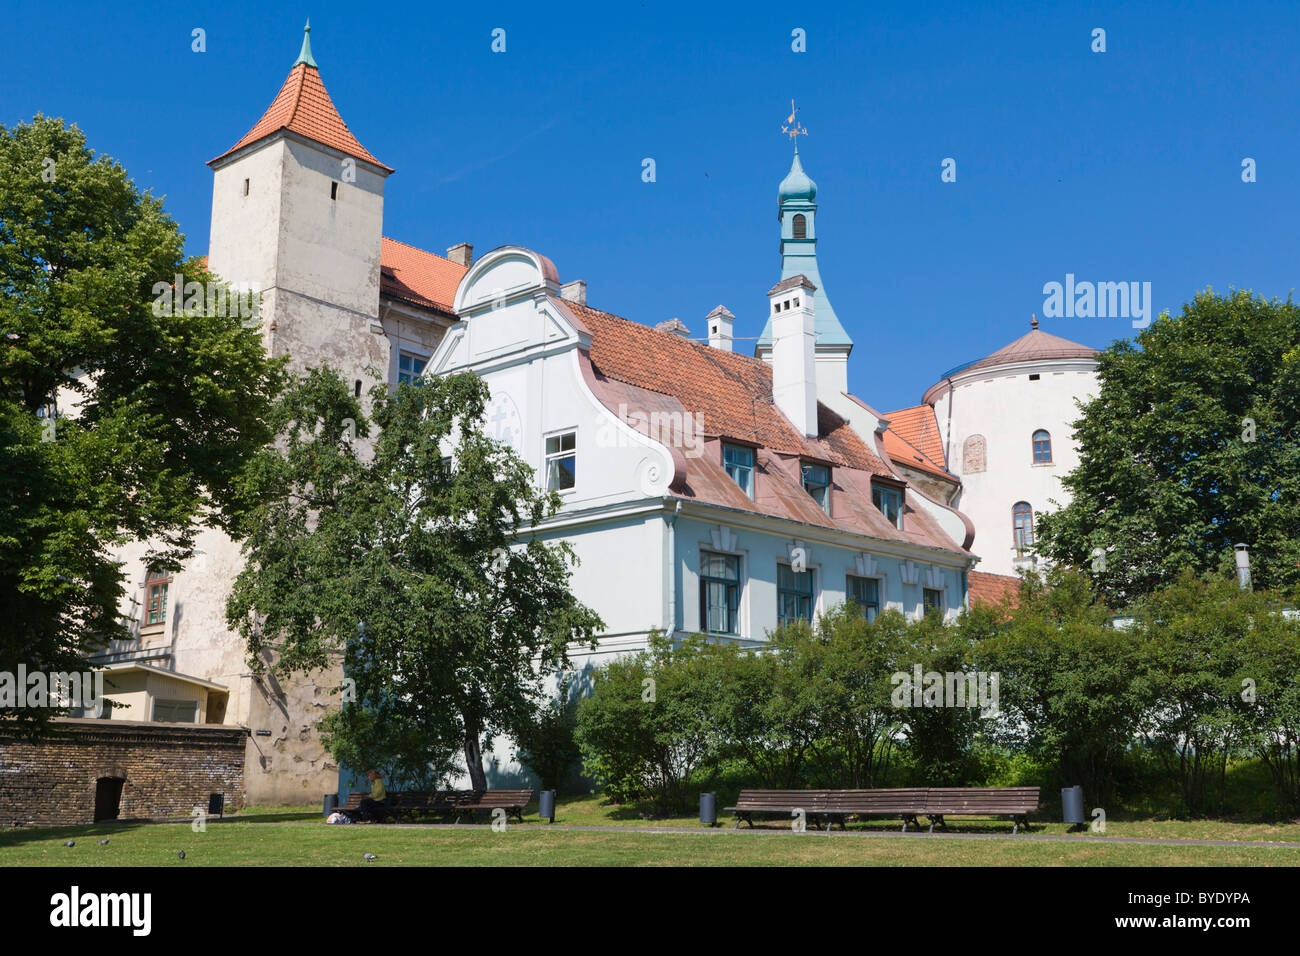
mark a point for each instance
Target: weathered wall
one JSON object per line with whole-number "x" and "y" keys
{"x": 286, "y": 762}
{"x": 169, "y": 769}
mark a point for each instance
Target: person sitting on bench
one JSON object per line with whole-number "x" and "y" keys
{"x": 374, "y": 807}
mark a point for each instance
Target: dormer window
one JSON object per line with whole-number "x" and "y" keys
{"x": 889, "y": 501}
{"x": 739, "y": 462}
{"x": 817, "y": 482}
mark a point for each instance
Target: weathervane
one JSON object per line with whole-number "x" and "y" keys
{"x": 792, "y": 127}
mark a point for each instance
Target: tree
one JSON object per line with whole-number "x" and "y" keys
{"x": 939, "y": 739}
{"x": 1192, "y": 445}
{"x": 419, "y": 566}
{"x": 850, "y": 663}
{"x": 648, "y": 723}
{"x": 1193, "y": 636}
{"x": 1072, "y": 688}
{"x": 157, "y": 409}
{"x": 547, "y": 745}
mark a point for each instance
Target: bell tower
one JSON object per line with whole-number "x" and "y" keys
{"x": 797, "y": 212}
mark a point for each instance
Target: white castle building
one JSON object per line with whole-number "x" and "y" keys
{"x": 704, "y": 490}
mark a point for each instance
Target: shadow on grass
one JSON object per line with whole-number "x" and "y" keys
{"x": 109, "y": 828}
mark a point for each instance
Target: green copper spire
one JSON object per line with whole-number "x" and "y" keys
{"x": 305, "y": 55}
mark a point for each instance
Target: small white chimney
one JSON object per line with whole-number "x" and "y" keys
{"x": 575, "y": 291}
{"x": 461, "y": 252}
{"x": 794, "y": 353}
{"x": 675, "y": 326}
{"x": 720, "y": 322}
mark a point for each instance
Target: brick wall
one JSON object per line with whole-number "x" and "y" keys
{"x": 168, "y": 770}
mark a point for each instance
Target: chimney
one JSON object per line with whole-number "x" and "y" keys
{"x": 720, "y": 322}
{"x": 461, "y": 252}
{"x": 575, "y": 291}
{"x": 1243, "y": 566}
{"x": 794, "y": 355}
{"x": 675, "y": 326}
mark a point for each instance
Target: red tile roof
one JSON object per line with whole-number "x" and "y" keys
{"x": 1034, "y": 345}
{"x": 903, "y": 452}
{"x": 985, "y": 588}
{"x": 303, "y": 106}
{"x": 647, "y": 371}
{"x": 421, "y": 278}
{"x": 917, "y": 427}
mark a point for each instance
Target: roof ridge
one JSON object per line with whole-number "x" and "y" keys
{"x": 418, "y": 249}
{"x": 698, "y": 343}
{"x": 297, "y": 94}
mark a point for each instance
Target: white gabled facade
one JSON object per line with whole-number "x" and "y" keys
{"x": 638, "y": 543}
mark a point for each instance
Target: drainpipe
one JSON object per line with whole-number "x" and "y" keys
{"x": 671, "y": 519}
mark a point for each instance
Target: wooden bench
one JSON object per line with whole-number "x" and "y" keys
{"x": 453, "y": 803}
{"x": 459, "y": 803}
{"x": 902, "y": 802}
{"x": 907, "y": 803}
{"x": 1014, "y": 802}
{"x": 831, "y": 805}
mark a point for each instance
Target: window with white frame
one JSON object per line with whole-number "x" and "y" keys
{"x": 561, "y": 461}
{"x": 719, "y": 592}
{"x": 739, "y": 462}
{"x": 1022, "y": 525}
{"x": 794, "y": 595}
{"x": 409, "y": 367}
{"x": 865, "y": 593}
{"x": 932, "y": 600}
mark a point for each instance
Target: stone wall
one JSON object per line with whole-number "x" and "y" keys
{"x": 168, "y": 769}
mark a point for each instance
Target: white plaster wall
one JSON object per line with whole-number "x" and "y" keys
{"x": 762, "y": 551}
{"x": 1006, "y": 407}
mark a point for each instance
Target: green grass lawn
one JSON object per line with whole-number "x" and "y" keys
{"x": 298, "y": 837}
{"x": 593, "y": 810}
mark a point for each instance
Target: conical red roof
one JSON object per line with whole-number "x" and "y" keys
{"x": 304, "y": 107}
{"x": 1034, "y": 345}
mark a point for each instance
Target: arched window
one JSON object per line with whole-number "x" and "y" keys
{"x": 973, "y": 455}
{"x": 1022, "y": 525}
{"x": 1042, "y": 448}
{"x": 799, "y": 226}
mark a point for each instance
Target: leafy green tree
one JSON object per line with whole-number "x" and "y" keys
{"x": 768, "y": 713}
{"x": 158, "y": 410}
{"x": 1270, "y": 696}
{"x": 1191, "y": 446}
{"x": 418, "y": 565}
{"x": 1193, "y": 635}
{"x": 648, "y": 724}
{"x": 1072, "y": 688}
{"x": 939, "y": 739}
{"x": 547, "y": 745}
{"x": 850, "y": 662}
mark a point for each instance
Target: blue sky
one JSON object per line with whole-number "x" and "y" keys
{"x": 1115, "y": 166}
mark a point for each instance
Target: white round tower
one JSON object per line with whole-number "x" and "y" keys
{"x": 1007, "y": 425}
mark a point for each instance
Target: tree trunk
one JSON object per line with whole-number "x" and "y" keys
{"x": 474, "y": 760}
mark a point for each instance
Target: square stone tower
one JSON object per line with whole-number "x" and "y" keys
{"x": 297, "y": 215}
